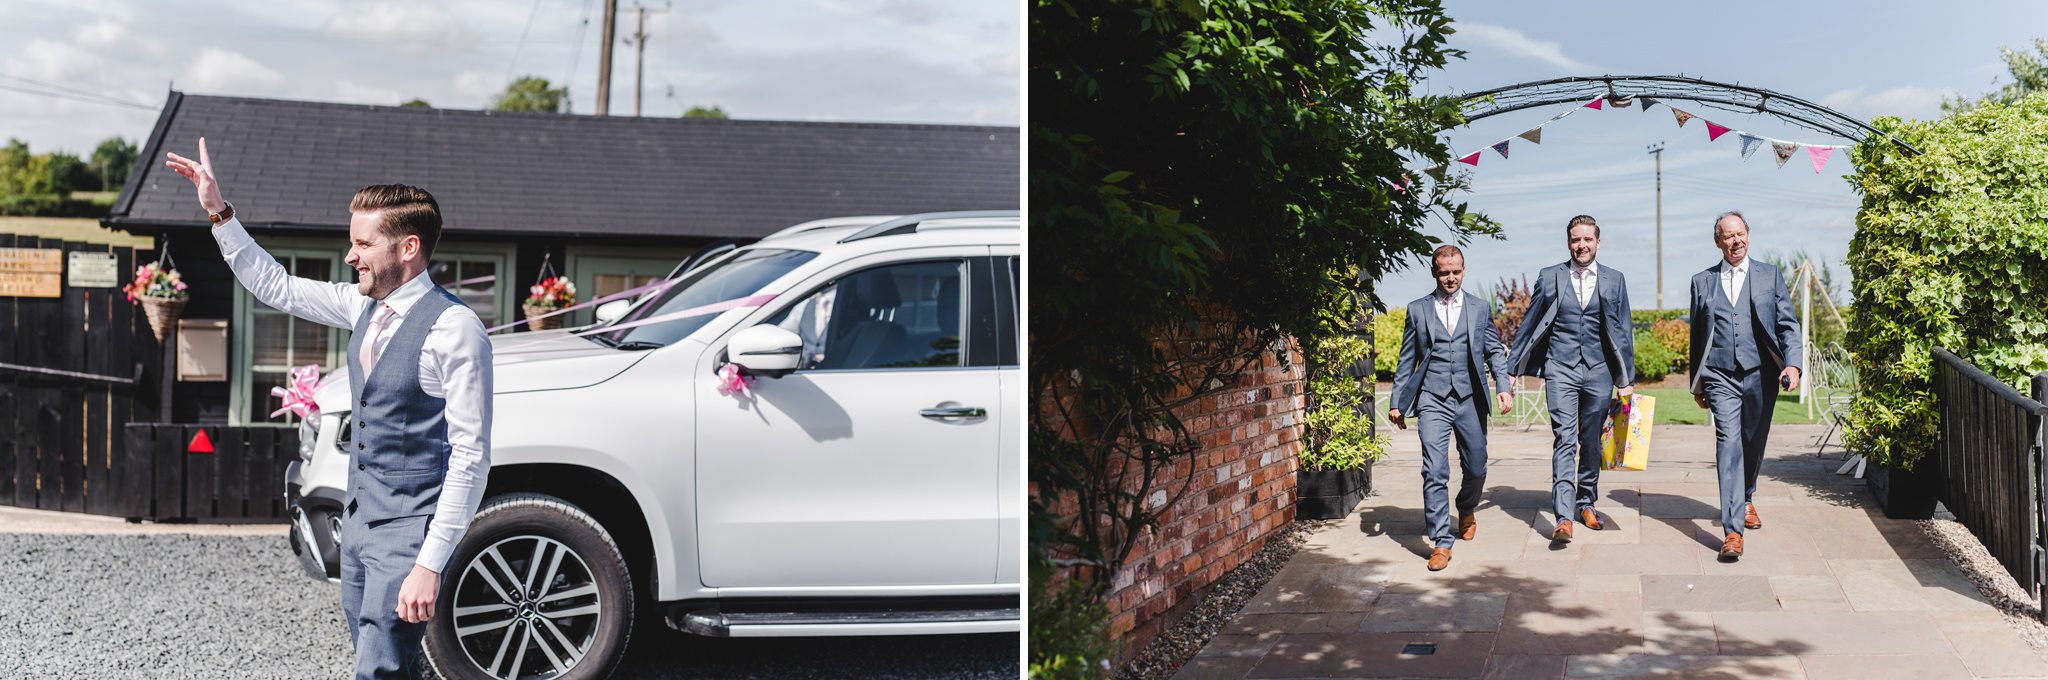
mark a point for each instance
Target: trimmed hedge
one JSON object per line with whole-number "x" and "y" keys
{"x": 1951, "y": 251}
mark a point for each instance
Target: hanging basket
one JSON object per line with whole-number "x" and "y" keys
{"x": 163, "y": 313}
{"x": 534, "y": 321}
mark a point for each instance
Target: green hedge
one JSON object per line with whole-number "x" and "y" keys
{"x": 49, "y": 205}
{"x": 1653, "y": 359}
{"x": 1643, "y": 318}
{"x": 1386, "y": 341}
{"x": 1340, "y": 435}
{"x": 1951, "y": 251}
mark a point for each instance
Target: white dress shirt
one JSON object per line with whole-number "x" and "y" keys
{"x": 1448, "y": 309}
{"x": 1732, "y": 277}
{"x": 455, "y": 365}
{"x": 1585, "y": 280}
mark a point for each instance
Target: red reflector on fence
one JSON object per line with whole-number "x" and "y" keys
{"x": 200, "y": 444}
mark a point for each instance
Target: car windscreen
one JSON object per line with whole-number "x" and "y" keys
{"x": 733, "y": 278}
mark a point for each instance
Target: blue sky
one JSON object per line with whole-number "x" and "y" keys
{"x": 1864, "y": 59}
{"x": 930, "y": 61}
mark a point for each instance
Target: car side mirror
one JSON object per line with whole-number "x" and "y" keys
{"x": 612, "y": 310}
{"x": 766, "y": 349}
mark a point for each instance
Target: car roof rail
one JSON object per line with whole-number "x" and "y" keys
{"x": 830, "y": 223}
{"x": 908, "y": 224}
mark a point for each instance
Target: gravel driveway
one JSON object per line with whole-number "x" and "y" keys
{"x": 233, "y": 604}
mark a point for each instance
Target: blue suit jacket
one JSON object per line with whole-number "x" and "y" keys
{"x": 1769, "y": 304}
{"x": 1532, "y": 344}
{"x": 1487, "y": 356}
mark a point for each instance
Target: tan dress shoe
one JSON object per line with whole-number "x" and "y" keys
{"x": 1732, "y": 547}
{"x": 1439, "y": 558}
{"x": 1589, "y": 519}
{"x": 1749, "y": 518}
{"x": 1468, "y": 526}
{"x": 1563, "y": 533}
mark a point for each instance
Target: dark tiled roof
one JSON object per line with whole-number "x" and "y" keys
{"x": 290, "y": 163}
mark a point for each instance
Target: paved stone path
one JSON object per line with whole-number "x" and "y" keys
{"x": 1828, "y": 588}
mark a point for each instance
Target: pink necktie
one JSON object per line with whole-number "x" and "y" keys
{"x": 369, "y": 349}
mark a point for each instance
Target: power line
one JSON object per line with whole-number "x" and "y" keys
{"x": 514, "y": 64}
{"x": 576, "y": 55}
{"x": 110, "y": 99}
{"x": 60, "y": 95}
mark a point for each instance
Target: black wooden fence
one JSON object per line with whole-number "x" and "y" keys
{"x": 75, "y": 372}
{"x": 1989, "y": 460}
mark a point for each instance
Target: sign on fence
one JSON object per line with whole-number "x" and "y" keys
{"x": 31, "y": 272}
{"x": 92, "y": 270}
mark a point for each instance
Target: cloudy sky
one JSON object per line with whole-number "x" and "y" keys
{"x": 929, "y": 61}
{"x": 1864, "y": 59}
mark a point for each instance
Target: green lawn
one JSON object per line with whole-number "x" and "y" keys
{"x": 1676, "y": 406}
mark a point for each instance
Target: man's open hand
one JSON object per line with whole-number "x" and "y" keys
{"x": 416, "y": 595}
{"x": 201, "y": 174}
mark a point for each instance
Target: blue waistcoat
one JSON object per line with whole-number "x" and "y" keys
{"x": 1449, "y": 373}
{"x": 400, "y": 447}
{"x": 1734, "y": 347}
{"x": 1575, "y": 334}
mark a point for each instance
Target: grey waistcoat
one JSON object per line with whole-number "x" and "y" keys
{"x": 1575, "y": 334}
{"x": 401, "y": 437}
{"x": 1448, "y": 373}
{"x": 1734, "y": 347}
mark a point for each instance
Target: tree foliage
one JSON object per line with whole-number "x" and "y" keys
{"x": 1203, "y": 168}
{"x": 1951, "y": 251}
{"x": 532, "y": 93}
{"x": 711, "y": 111}
{"x": 111, "y": 162}
{"x": 417, "y": 103}
{"x": 2029, "y": 73}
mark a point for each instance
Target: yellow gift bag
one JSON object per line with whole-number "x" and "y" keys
{"x": 1625, "y": 438}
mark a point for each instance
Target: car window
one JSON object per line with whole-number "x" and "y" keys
{"x": 733, "y": 278}
{"x": 895, "y": 316}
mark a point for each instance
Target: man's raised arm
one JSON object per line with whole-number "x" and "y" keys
{"x": 330, "y": 303}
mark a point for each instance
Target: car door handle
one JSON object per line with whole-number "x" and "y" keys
{"x": 954, "y": 412}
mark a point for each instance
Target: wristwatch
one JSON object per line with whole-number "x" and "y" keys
{"x": 225, "y": 214}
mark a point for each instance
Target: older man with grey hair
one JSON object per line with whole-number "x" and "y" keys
{"x": 1745, "y": 345}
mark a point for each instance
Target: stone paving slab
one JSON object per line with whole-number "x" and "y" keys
{"x": 1829, "y": 588}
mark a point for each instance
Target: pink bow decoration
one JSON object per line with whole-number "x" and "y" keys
{"x": 733, "y": 380}
{"x": 298, "y": 393}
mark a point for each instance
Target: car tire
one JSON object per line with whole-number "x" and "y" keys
{"x": 572, "y": 626}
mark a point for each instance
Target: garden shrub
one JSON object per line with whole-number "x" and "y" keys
{"x": 1386, "y": 341}
{"x": 1674, "y": 335}
{"x": 1653, "y": 359}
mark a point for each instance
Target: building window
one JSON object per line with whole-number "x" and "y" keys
{"x": 474, "y": 279}
{"x": 272, "y": 343}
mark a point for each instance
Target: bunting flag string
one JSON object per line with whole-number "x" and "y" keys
{"x": 1782, "y": 150}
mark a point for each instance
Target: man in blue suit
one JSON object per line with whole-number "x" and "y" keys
{"x": 1578, "y": 338}
{"x": 1450, "y": 353}
{"x": 1745, "y": 345}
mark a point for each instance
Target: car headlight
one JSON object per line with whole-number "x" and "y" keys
{"x": 343, "y": 433}
{"x": 309, "y": 433}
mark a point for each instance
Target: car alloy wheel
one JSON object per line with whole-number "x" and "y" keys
{"x": 527, "y": 606}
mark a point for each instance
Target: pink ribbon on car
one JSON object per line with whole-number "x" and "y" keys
{"x": 298, "y": 392}
{"x": 629, "y": 292}
{"x": 733, "y": 380}
{"x": 701, "y": 310}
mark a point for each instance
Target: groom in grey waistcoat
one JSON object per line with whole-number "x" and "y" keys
{"x": 1745, "y": 345}
{"x": 1450, "y": 354}
{"x": 1578, "y": 337}
{"x": 419, "y": 368}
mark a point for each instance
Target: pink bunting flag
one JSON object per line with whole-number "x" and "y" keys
{"x": 1820, "y": 155}
{"x": 1473, "y": 160}
{"x": 1403, "y": 186}
{"x": 1595, "y": 104}
{"x": 1502, "y": 148}
{"x": 1714, "y": 131}
{"x": 1783, "y": 150}
{"x": 1680, "y": 115}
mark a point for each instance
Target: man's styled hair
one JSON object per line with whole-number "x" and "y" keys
{"x": 1442, "y": 252}
{"x": 408, "y": 211}
{"x": 1578, "y": 220}
{"x": 1737, "y": 214}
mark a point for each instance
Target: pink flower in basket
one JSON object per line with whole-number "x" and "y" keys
{"x": 553, "y": 292}
{"x": 157, "y": 281}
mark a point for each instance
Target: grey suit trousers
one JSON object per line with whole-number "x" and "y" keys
{"x": 1580, "y": 397}
{"x": 375, "y": 559}
{"x": 1440, "y": 419}
{"x": 1742, "y": 403}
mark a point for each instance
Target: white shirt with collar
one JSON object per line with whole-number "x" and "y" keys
{"x": 455, "y": 365}
{"x": 1585, "y": 280}
{"x": 1448, "y": 309}
{"x": 1732, "y": 278}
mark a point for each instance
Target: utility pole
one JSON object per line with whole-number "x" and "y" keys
{"x": 604, "y": 57}
{"x": 639, "y": 41}
{"x": 1657, "y": 152}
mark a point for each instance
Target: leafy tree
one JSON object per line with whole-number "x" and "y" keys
{"x": 1219, "y": 177}
{"x": 2029, "y": 72}
{"x": 24, "y": 173}
{"x": 531, "y": 93}
{"x": 417, "y": 104}
{"x": 705, "y": 112}
{"x": 111, "y": 162}
{"x": 67, "y": 173}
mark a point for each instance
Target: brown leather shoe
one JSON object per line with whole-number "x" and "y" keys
{"x": 1732, "y": 547}
{"x": 1468, "y": 526}
{"x": 1439, "y": 558}
{"x": 1563, "y": 533}
{"x": 1749, "y": 518}
{"x": 1589, "y": 519}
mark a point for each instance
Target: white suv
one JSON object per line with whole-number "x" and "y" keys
{"x": 865, "y": 483}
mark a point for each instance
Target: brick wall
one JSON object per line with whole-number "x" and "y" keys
{"x": 1242, "y": 489}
